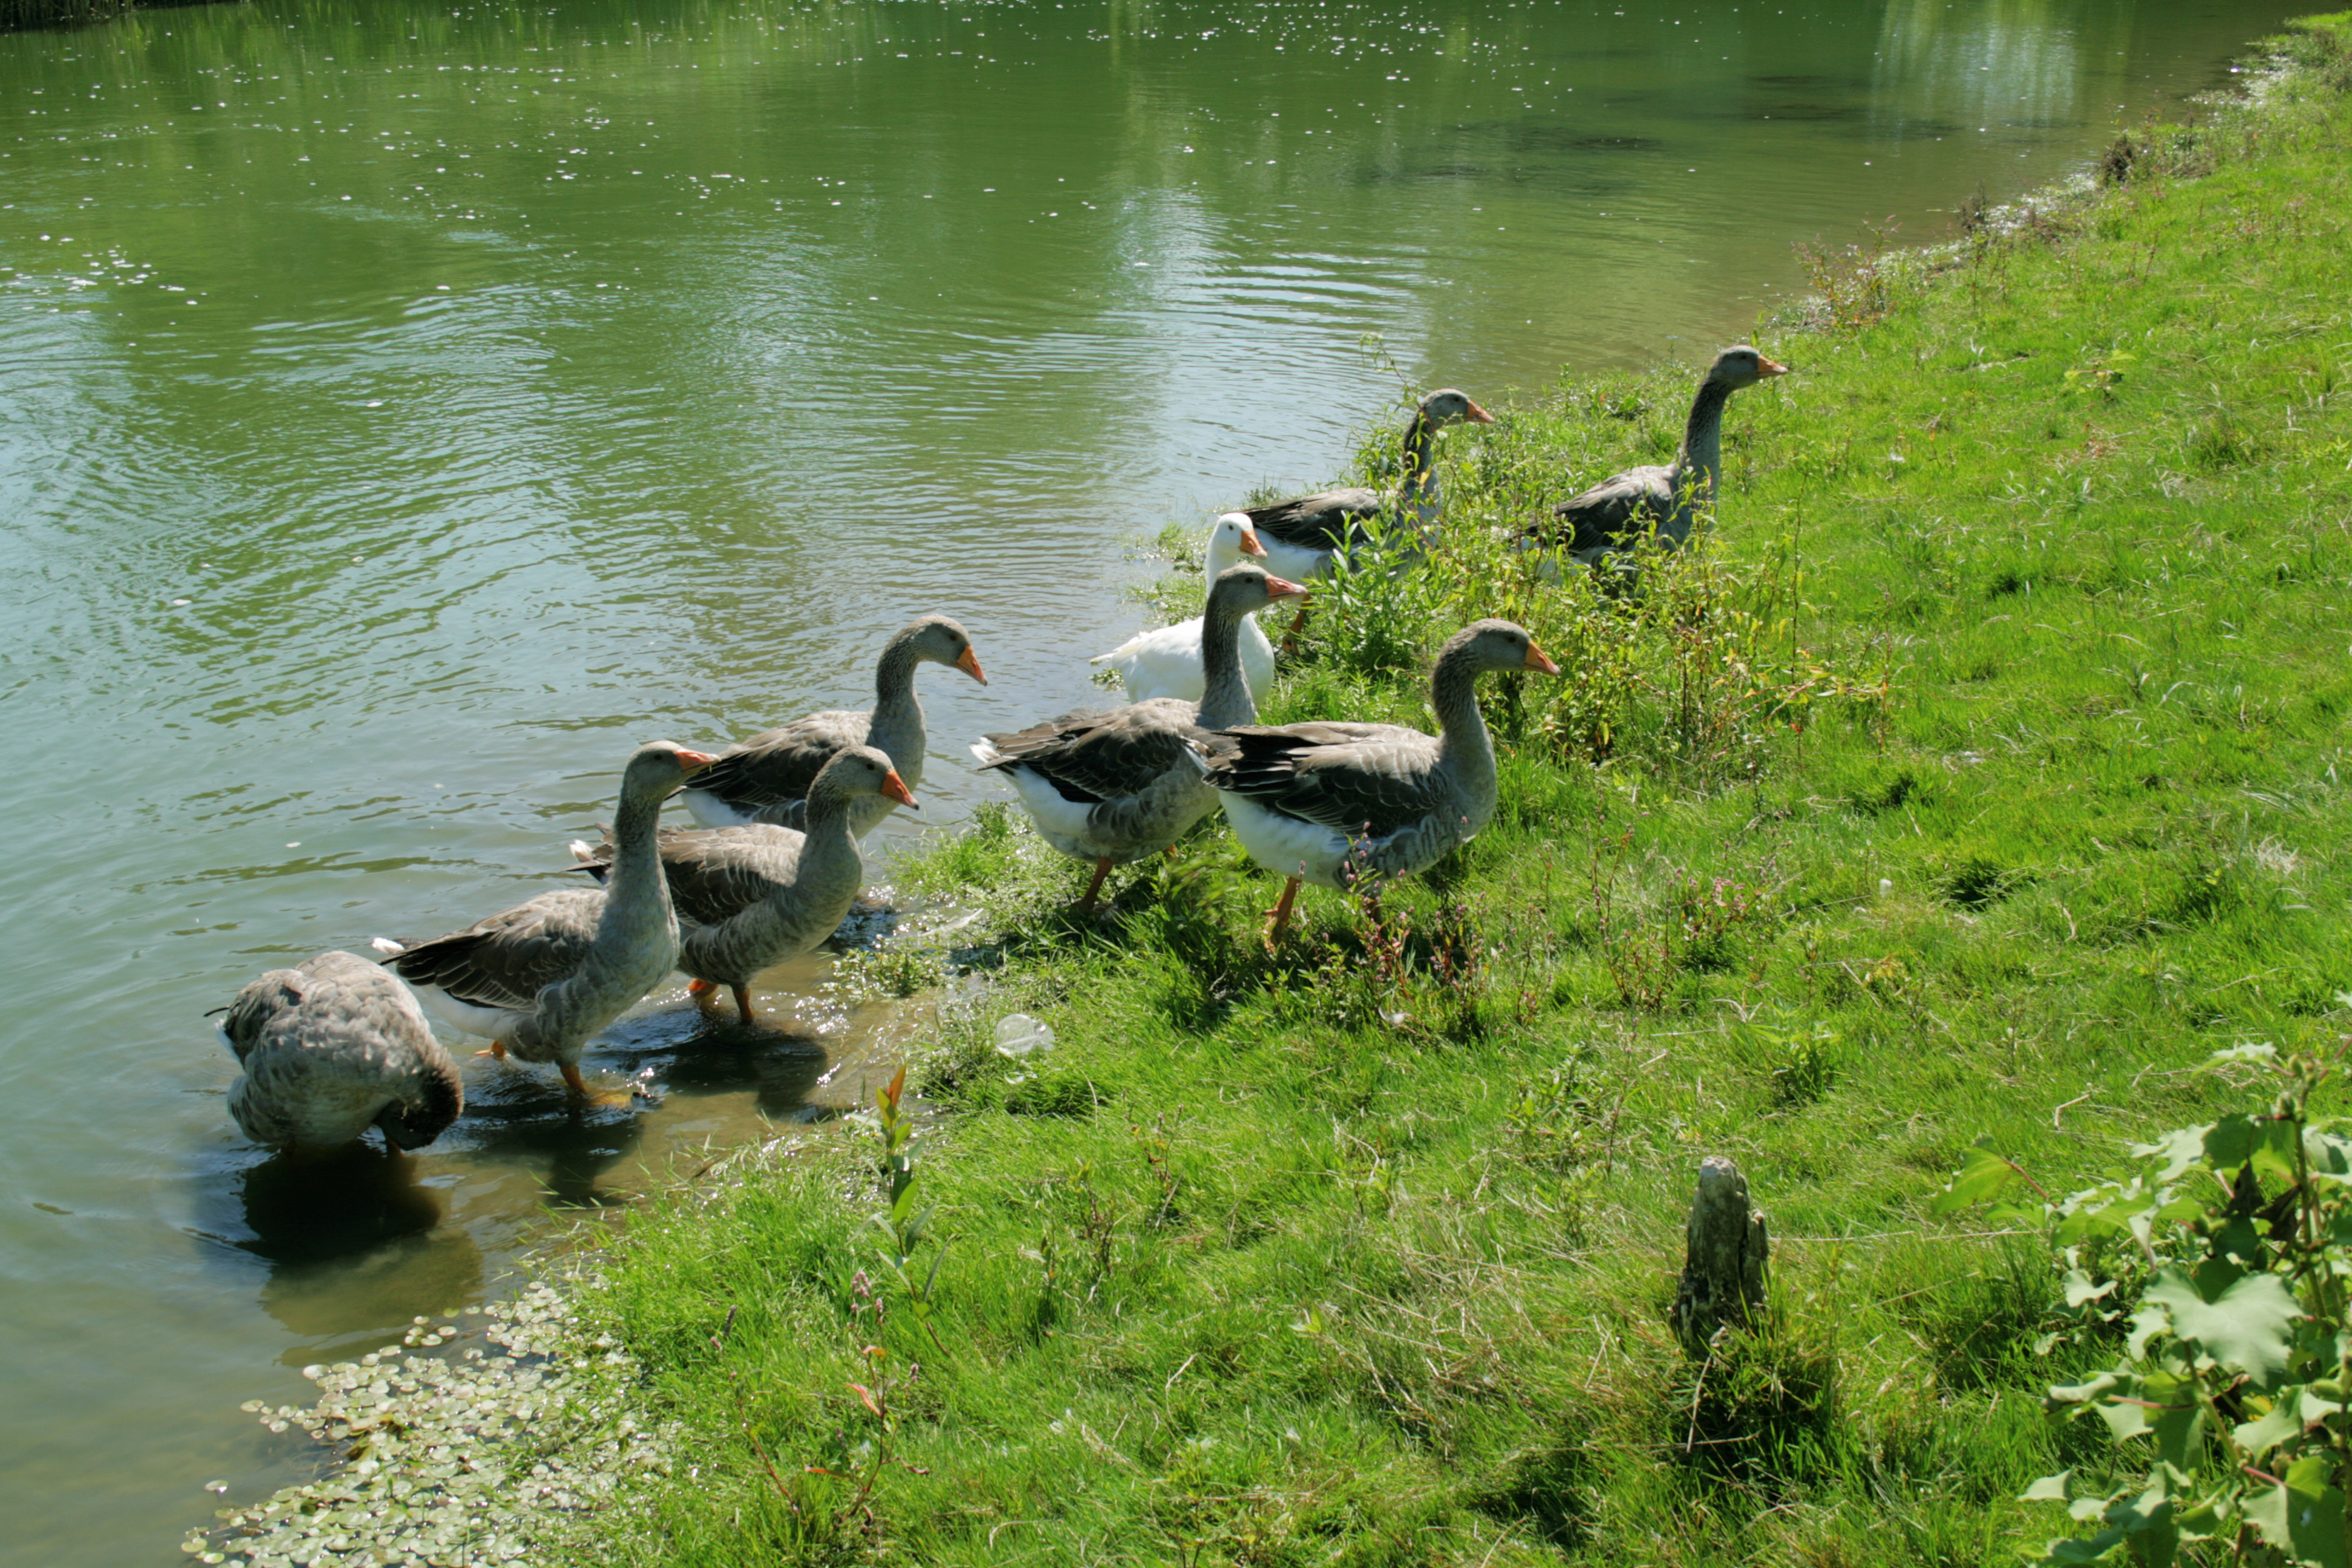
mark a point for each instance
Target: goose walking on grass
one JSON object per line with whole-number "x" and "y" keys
{"x": 1115, "y": 786}
{"x": 1662, "y": 498}
{"x": 1302, "y": 534}
{"x": 767, "y": 778}
{"x": 1168, "y": 662}
{"x": 1335, "y": 804}
{"x": 754, "y": 896}
{"x": 537, "y": 980}
{"x": 332, "y": 1048}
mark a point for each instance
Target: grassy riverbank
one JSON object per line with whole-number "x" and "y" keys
{"x": 1980, "y": 775}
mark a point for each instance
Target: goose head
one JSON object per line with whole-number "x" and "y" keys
{"x": 860, "y": 771}
{"x": 1448, "y": 406}
{"x": 941, "y": 639}
{"x": 1231, "y": 537}
{"x": 1241, "y": 589}
{"x": 659, "y": 769}
{"x": 1741, "y": 365}
{"x": 1494, "y": 645}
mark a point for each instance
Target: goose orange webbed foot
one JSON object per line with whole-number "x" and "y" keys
{"x": 494, "y": 1048}
{"x": 579, "y": 1086}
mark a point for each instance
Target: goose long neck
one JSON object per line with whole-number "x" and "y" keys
{"x": 1702, "y": 453}
{"x": 894, "y": 678}
{"x": 829, "y": 828}
{"x": 1225, "y": 694}
{"x": 1463, "y": 743}
{"x": 1420, "y": 468}
{"x": 634, "y": 889}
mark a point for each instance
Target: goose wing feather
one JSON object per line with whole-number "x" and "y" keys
{"x": 1325, "y": 521}
{"x": 1357, "y": 778}
{"x": 778, "y": 765}
{"x": 715, "y": 873}
{"x": 1094, "y": 757}
{"x": 1623, "y": 504}
{"x": 507, "y": 959}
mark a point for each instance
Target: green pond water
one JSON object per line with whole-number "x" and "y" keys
{"x": 405, "y": 410}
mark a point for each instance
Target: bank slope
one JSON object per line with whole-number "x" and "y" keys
{"x": 1980, "y": 775}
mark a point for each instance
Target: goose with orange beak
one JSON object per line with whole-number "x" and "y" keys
{"x": 1117, "y": 786}
{"x": 539, "y": 979}
{"x": 1664, "y": 499}
{"x": 767, "y": 778}
{"x": 1302, "y": 534}
{"x": 1339, "y": 805}
{"x": 1168, "y": 661}
{"x": 752, "y": 897}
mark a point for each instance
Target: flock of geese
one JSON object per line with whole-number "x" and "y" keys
{"x": 340, "y": 1043}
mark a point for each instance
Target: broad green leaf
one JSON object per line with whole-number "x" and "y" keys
{"x": 2282, "y": 1421}
{"x": 2306, "y": 1526}
{"x": 2178, "y": 1150}
{"x": 2094, "y": 1550}
{"x": 2176, "y": 1429}
{"x": 2079, "y": 1290}
{"x": 2228, "y": 1143}
{"x": 2248, "y": 1328}
{"x": 2081, "y": 1393}
{"x": 2049, "y": 1489}
{"x": 1983, "y": 1177}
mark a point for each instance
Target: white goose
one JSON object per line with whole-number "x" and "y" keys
{"x": 1168, "y": 662}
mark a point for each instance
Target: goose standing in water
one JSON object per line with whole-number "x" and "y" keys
{"x": 754, "y": 896}
{"x": 1335, "y": 804}
{"x": 1665, "y": 499}
{"x": 1301, "y": 535}
{"x": 767, "y": 777}
{"x": 539, "y": 979}
{"x": 1114, "y": 787}
{"x": 333, "y": 1046}
{"x": 1168, "y": 662}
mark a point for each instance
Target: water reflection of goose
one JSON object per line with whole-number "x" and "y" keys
{"x": 766, "y": 778}
{"x": 1116, "y": 786}
{"x": 1334, "y": 803}
{"x": 1663, "y": 499}
{"x": 1302, "y": 534}
{"x": 353, "y": 1241}
{"x": 334, "y": 1047}
{"x": 1167, "y": 661}
{"x": 542, "y": 977}
{"x": 753, "y": 896}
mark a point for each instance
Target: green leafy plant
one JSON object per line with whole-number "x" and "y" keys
{"x": 2225, "y": 1257}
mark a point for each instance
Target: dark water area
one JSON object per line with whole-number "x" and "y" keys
{"x": 405, "y": 410}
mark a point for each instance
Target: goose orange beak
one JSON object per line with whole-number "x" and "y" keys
{"x": 895, "y": 787}
{"x": 1540, "y": 662}
{"x": 1282, "y": 588}
{"x": 1249, "y": 546}
{"x": 1769, "y": 367}
{"x": 695, "y": 761}
{"x": 1479, "y": 415}
{"x": 968, "y": 662}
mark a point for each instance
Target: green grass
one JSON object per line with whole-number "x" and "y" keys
{"x": 1979, "y": 774}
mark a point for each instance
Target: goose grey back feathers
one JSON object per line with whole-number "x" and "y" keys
{"x": 540, "y": 978}
{"x": 333, "y": 1046}
{"x": 1115, "y": 786}
{"x": 1663, "y": 499}
{"x": 767, "y": 778}
{"x": 753, "y": 896}
{"x": 1332, "y": 802}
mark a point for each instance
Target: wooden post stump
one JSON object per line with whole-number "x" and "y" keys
{"x": 1724, "y": 1269}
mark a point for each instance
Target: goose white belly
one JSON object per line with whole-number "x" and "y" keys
{"x": 1287, "y": 845}
{"x": 710, "y": 811}
{"x": 467, "y": 1017}
{"x": 1297, "y": 562}
{"x": 1062, "y": 822}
